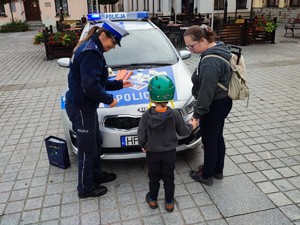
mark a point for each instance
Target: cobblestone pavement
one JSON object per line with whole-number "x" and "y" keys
{"x": 262, "y": 173}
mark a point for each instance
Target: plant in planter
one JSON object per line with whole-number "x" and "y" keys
{"x": 263, "y": 23}
{"x": 58, "y": 44}
{"x": 69, "y": 38}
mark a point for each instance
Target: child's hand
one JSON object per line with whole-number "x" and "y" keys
{"x": 194, "y": 122}
{"x": 144, "y": 149}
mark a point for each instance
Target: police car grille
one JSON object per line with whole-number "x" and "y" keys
{"x": 122, "y": 122}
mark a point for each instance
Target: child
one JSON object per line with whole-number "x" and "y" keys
{"x": 157, "y": 136}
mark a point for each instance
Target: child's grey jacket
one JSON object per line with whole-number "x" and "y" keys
{"x": 158, "y": 131}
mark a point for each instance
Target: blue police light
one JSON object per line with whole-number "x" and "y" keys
{"x": 118, "y": 16}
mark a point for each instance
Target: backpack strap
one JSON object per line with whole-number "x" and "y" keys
{"x": 225, "y": 60}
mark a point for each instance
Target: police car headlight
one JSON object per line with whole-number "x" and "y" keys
{"x": 190, "y": 106}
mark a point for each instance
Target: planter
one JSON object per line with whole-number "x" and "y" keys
{"x": 54, "y": 51}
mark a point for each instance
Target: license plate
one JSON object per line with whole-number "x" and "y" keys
{"x": 129, "y": 141}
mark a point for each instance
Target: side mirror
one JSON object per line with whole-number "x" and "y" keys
{"x": 64, "y": 62}
{"x": 185, "y": 54}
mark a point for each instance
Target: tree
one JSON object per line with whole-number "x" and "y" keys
{"x": 8, "y": 2}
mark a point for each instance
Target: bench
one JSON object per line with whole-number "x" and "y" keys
{"x": 293, "y": 24}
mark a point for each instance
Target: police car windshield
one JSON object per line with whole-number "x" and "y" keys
{"x": 142, "y": 47}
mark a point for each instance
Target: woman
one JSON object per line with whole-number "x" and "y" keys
{"x": 212, "y": 103}
{"x": 88, "y": 82}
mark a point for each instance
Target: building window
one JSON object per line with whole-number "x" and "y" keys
{"x": 294, "y": 3}
{"x": 219, "y": 4}
{"x": 64, "y": 4}
{"x": 241, "y": 4}
{"x": 2, "y": 10}
{"x": 272, "y": 3}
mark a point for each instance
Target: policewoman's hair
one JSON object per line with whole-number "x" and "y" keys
{"x": 197, "y": 32}
{"x": 94, "y": 30}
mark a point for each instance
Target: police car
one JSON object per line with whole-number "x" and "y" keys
{"x": 146, "y": 51}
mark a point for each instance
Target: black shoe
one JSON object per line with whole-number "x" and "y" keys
{"x": 198, "y": 176}
{"x": 107, "y": 177}
{"x": 95, "y": 192}
{"x": 218, "y": 176}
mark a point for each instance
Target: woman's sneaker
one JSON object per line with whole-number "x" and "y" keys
{"x": 152, "y": 203}
{"x": 169, "y": 206}
{"x": 198, "y": 176}
{"x": 218, "y": 176}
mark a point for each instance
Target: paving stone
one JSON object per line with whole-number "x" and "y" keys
{"x": 262, "y": 165}
{"x": 286, "y": 172}
{"x": 268, "y": 217}
{"x": 291, "y": 211}
{"x": 71, "y": 209}
{"x": 129, "y": 212}
{"x": 283, "y": 185}
{"x": 52, "y": 200}
{"x": 257, "y": 177}
{"x": 279, "y": 199}
{"x": 74, "y": 220}
{"x": 184, "y": 202}
{"x": 267, "y": 187}
{"x": 192, "y": 216}
{"x": 174, "y": 218}
{"x": 231, "y": 204}
{"x": 109, "y": 216}
{"x": 210, "y": 212}
{"x": 91, "y": 218}
{"x": 272, "y": 174}
{"x": 90, "y": 205}
{"x": 294, "y": 195}
{"x": 50, "y": 213}
{"x": 33, "y": 203}
{"x": 30, "y": 217}
{"x": 153, "y": 220}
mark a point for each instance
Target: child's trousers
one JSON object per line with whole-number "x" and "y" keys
{"x": 161, "y": 167}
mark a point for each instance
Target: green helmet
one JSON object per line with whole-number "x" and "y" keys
{"x": 161, "y": 89}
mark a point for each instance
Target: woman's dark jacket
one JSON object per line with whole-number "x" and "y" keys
{"x": 209, "y": 72}
{"x": 88, "y": 77}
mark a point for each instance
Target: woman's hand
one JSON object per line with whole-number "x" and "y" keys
{"x": 127, "y": 83}
{"x": 114, "y": 103}
{"x": 194, "y": 122}
{"x": 144, "y": 149}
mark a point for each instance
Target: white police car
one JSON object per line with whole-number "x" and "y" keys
{"x": 147, "y": 52}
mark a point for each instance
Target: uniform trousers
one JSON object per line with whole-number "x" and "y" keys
{"x": 86, "y": 126}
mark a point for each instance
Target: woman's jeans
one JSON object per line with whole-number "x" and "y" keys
{"x": 212, "y": 125}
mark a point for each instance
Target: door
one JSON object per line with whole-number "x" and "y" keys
{"x": 32, "y": 10}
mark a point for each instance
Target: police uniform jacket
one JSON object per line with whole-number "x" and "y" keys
{"x": 88, "y": 77}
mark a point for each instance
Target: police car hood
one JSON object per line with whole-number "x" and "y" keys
{"x": 138, "y": 93}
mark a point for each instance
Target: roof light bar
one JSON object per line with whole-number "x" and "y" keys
{"x": 118, "y": 16}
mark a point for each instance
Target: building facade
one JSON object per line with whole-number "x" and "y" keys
{"x": 48, "y": 11}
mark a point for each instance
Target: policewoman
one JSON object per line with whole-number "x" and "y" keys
{"x": 88, "y": 83}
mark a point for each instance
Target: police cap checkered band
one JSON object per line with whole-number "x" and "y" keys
{"x": 116, "y": 31}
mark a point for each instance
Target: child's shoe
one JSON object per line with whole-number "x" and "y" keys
{"x": 169, "y": 206}
{"x": 152, "y": 203}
